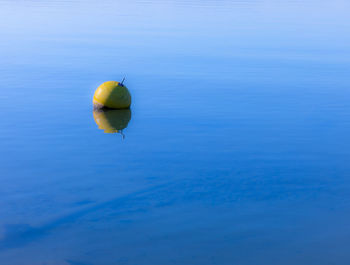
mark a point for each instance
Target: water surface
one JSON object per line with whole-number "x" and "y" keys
{"x": 235, "y": 151}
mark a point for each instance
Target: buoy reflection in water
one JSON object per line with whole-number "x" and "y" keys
{"x": 112, "y": 121}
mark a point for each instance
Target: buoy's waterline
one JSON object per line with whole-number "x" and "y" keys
{"x": 113, "y": 95}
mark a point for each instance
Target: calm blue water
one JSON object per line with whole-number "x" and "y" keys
{"x": 237, "y": 150}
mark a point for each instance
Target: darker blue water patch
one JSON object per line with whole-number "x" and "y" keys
{"x": 73, "y": 262}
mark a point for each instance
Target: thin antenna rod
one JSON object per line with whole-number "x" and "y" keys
{"x": 123, "y": 81}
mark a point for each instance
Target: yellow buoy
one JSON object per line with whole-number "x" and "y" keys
{"x": 112, "y": 94}
{"x": 112, "y": 121}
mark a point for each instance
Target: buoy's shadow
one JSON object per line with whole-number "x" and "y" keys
{"x": 112, "y": 120}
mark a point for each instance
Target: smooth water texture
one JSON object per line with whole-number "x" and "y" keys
{"x": 236, "y": 149}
